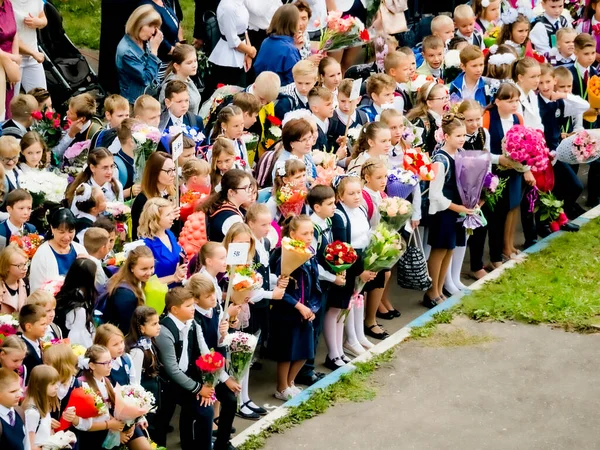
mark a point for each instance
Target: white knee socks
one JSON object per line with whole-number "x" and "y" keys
{"x": 458, "y": 256}
{"x": 334, "y": 333}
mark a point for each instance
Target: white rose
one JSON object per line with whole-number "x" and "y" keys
{"x": 452, "y": 58}
{"x": 275, "y": 132}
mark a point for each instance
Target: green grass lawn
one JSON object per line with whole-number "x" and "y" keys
{"x": 81, "y": 19}
{"x": 559, "y": 285}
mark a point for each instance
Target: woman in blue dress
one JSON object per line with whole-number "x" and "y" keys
{"x": 155, "y": 223}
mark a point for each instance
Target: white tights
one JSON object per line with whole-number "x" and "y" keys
{"x": 453, "y": 283}
{"x": 355, "y": 331}
{"x": 334, "y": 333}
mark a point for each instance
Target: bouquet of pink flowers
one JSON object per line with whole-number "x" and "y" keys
{"x": 8, "y": 326}
{"x": 119, "y": 211}
{"x": 342, "y": 32}
{"x": 146, "y": 139}
{"x": 527, "y": 147}
{"x": 327, "y": 169}
{"x": 581, "y": 148}
{"x": 76, "y": 158}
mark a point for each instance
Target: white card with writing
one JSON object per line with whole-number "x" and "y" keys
{"x": 237, "y": 254}
{"x": 177, "y": 147}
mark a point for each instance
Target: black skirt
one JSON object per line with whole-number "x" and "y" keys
{"x": 291, "y": 338}
{"x": 445, "y": 232}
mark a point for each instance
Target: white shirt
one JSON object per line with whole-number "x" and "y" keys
{"x": 437, "y": 201}
{"x": 470, "y": 38}
{"x": 223, "y": 376}
{"x": 13, "y": 228}
{"x": 218, "y": 290}
{"x": 360, "y": 227}
{"x": 319, "y": 13}
{"x": 344, "y": 118}
{"x": 261, "y": 12}
{"x": 324, "y": 274}
{"x": 529, "y": 108}
{"x": 107, "y": 188}
{"x": 35, "y": 345}
{"x": 76, "y": 323}
{"x": 81, "y": 234}
{"x": 322, "y": 124}
{"x": 66, "y": 140}
{"x": 12, "y": 175}
{"x": 41, "y": 426}
{"x": 263, "y": 256}
{"x": 184, "y": 329}
{"x": 22, "y": 9}
{"x": 4, "y": 415}
{"x": 376, "y": 198}
{"x": 101, "y": 278}
{"x": 466, "y": 91}
{"x": 539, "y": 35}
{"x": 233, "y": 18}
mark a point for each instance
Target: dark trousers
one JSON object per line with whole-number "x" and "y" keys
{"x": 228, "y": 409}
{"x": 496, "y": 225}
{"x": 259, "y": 321}
{"x": 594, "y": 184}
{"x": 195, "y": 424}
{"x": 567, "y": 187}
{"x": 309, "y": 367}
{"x": 528, "y": 220}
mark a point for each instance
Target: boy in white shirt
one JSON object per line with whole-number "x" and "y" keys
{"x": 96, "y": 242}
{"x": 464, "y": 19}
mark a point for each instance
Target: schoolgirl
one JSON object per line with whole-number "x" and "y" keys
{"x": 98, "y": 173}
{"x": 486, "y": 16}
{"x": 330, "y": 76}
{"x": 515, "y": 33}
{"x": 34, "y": 153}
{"x": 374, "y": 141}
{"x": 432, "y": 102}
{"x": 12, "y": 353}
{"x": 222, "y": 160}
{"x": 292, "y": 173}
{"x": 213, "y": 257}
{"x": 40, "y": 400}
{"x": 230, "y": 124}
{"x": 88, "y": 204}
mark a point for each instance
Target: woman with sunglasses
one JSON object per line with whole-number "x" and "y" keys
{"x": 222, "y": 208}
{"x": 13, "y": 268}
{"x": 158, "y": 180}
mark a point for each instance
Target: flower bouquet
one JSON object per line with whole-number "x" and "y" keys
{"x": 492, "y": 189}
{"x": 189, "y": 202}
{"x": 240, "y": 349}
{"x": 116, "y": 260}
{"x": 352, "y": 135}
{"x": 395, "y": 211}
{"x": 56, "y": 341}
{"x": 272, "y": 132}
{"x": 75, "y": 158}
{"x": 245, "y": 278}
{"x": 471, "y": 171}
{"x": 211, "y": 365}
{"x": 87, "y": 403}
{"x": 294, "y": 253}
{"x": 146, "y": 139}
{"x": 78, "y": 350}
{"x": 340, "y": 256}
{"x": 491, "y": 35}
{"x": 50, "y": 126}
{"x": 342, "y": 32}
{"x": 551, "y": 210}
{"x": 53, "y": 285}
{"x": 326, "y": 165}
{"x": 118, "y": 211}
{"x": 451, "y": 67}
{"x": 290, "y": 199}
{"x": 527, "y": 147}
{"x": 29, "y": 243}
{"x": 9, "y": 325}
{"x": 44, "y": 187}
{"x": 581, "y": 148}
{"x": 412, "y": 135}
{"x": 131, "y": 403}
{"x": 419, "y": 163}
{"x": 400, "y": 183}
{"x": 251, "y": 143}
{"x": 575, "y": 8}
{"x": 60, "y": 440}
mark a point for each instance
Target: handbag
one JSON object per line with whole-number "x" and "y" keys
{"x": 412, "y": 270}
{"x": 392, "y": 16}
{"x": 213, "y": 34}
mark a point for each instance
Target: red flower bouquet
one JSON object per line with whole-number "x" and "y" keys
{"x": 50, "y": 126}
{"x": 87, "y": 403}
{"x": 8, "y": 326}
{"x": 419, "y": 163}
{"x": 211, "y": 365}
{"x": 272, "y": 132}
{"x": 189, "y": 202}
{"x": 28, "y": 243}
{"x": 290, "y": 199}
{"x": 340, "y": 256}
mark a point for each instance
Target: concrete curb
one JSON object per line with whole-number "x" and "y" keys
{"x": 399, "y": 336}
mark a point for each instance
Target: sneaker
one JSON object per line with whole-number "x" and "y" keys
{"x": 295, "y": 390}
{"x": 285, "y": 395}
{"x": 354, "y": 349}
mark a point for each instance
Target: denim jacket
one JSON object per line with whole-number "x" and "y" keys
{"x": 137, "y": 68}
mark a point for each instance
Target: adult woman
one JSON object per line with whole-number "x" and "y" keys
{"x": 278, "y": 52}
{"x": 355, "y": 8}
{"x": 9, "y": 49}
{"x": 55, "y": 256}
{"x": 297, "y": 139}
{"x": 98, "y": 173}
{"x": 170, "y": 28}
{"x": 137, "y": 54}
{"x": 157, "y": 181}
{"x": 155, "y": 223}
{"x": 126, "y": 287}
{"x": 183, "y": 65}
{"x": 30, "y": 17}
{"x": 13, "y": 268}
{"x": 223, "y": 208}
{"x": 232, "y": 54}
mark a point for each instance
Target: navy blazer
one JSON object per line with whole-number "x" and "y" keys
{"x": 580, "y": 89}
{"x": 31, "y": 359}
{"x": 5, "y": 233}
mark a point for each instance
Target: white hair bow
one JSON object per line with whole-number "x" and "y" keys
{"x": 298, "y": 114}
{"x": 83, "y": 363}
{"x": 127, "y": 248}
{"x": 280, "y": 168}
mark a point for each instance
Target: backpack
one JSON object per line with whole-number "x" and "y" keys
{"x": 370, "y": 205}
{"x": 21, "y": 414}
{"x": 264, "y": 168}
{"x": 486, "y": 120}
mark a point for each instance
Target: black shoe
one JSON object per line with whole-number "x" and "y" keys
{"x": 429, "y": 302}
{"x": 447, "y": 293}
{"x": 250, "y": 416}
{"x": 570, "y": 227}
{"x": 258, "y": 410}
{"x": 216, "y": 422}
{"x": 529, "y": 244}
{"x": 256, "y": 365}
{"x": 308, "y": 379}
{"x": 385, "y": 316}
{"x": 544, "y": 230}
{"x": 331, "y": 363}
{"x": 395, "y": 312}
{"x": 381, "y": 336}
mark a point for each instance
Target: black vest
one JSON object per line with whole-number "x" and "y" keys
{"x": 554, "y": 120}
{"x": 550, "y": 29}
{"x": 193, "y": 348}
{"x": 478, "y": 143}
{"x": 450, "y": 188}
{"x": 12, "y": 437}
{"x": 31, "y": 359}
{"x": 210, "y": 329}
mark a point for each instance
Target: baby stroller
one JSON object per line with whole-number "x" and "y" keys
{"x": 67, "y": 71}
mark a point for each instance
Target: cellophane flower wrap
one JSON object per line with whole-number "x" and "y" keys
{"x": 493, "y": 186}
{"x": 471, "y": 169}
{"x": 245, "y": 278}
{"x": 53, "y": 285}
{"x": 294, "y": 253}
{"x": 189, "y": 203}
{"x": 210, "y": 365}
{"x": 419, "y": 163}
{"x": 394, "y": 212}
{"x": 272, "y": 131}
{"x": 342, "y": 32}
{"x": 290, "y": 199}
{"x": 87, "y": 402}
{"x": 340, "y": 256}
{"x": 581, "y": 148}
{"x": 146, "y": 139}
{"x": 240, "y": 349}
{"x": 400, "y": 182}
{"x": 50, "y": 125}
{"x": 527, "y": 147}
{"x": 75, "y": 158}
{"x": 58, "y": 441}
{"x": 327, "y": 168}
{"x": 9, "y": 325}
{"x": 29, "y": 243}
{"x": 44, "y": 187}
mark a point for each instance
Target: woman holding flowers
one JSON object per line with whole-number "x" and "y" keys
{"x": 13, "y": 269}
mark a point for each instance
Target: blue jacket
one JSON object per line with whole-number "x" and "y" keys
{"x": 480, "y": 95}
{"x": 137, "y": 68}
{"x": 278, "y": 54}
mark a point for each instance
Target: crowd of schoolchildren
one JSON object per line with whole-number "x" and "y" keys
{"x": 536, "y": 74}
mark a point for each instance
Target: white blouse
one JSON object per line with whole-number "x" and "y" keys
{"x": 40, "y": 426}
{"x": 233, "y": 18}
{"x": 76, "y": 322}
{"x": 359, "y": 233}
{"x": 437, "y": 201}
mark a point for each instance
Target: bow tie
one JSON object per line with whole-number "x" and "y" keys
{"x": 472, "y": 139}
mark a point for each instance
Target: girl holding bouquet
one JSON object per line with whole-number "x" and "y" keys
{"x": 292, "y": 338}
{"x": 349, "y": 224}
{"x": 290, "y": 174}
{"x": 432, "y": 102}
{"x": 222, "y": 160}
{"x": 230, "y": 124}
{"x": 445, "y": 232}
{"x": 213, "y": 257}
{"x": 33, "y": 153}
{"x": 374, "y": 141}
{"x": 41, "y": 400}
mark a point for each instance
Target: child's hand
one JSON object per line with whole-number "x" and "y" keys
{"x": 136, "y": 189}
{"x": 278, "y": 293}
{"x": 206, "y": 391}
{"x": 233, "y": 385}
{"x": 283, "y": 282}
{"x": 76, "y": 127}
{"x": 143, "y": 423}
{"x": 54, "y": 424}
{"x": 461, "y": 209}
{"x": 342, "y": 152}
{"x": 124, "y": 437}
{"x": 177, "y": 212}
{"x": 180, "y": 272}
{"x": 415, "y": 224}
{"x": 558, "y": 95}
{"x": 69, "y": 414}
{"x": 306, "y": 313}
{"x": 340, "y": 279}
{"x": 529, "y": 178}
{"x": 506, "y": 162}
{"x": 234, "y": 310}
{"x": 367, "y": 276}
{"x": 223, "y": 328}
{"x": 115, "y": 425}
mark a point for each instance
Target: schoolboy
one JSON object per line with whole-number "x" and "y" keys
{"x": 18, "y": 205}
{"x": 250, "y": 106}
{"x": 33, "y": 323}
{"x": 178, "y": 349}
{"x": 295, "y": 96}
{"x": 320, "y": 101}
{"x": 464, "y": 19}
{"x": 13, "y": 436}
{"x": 469, "y": 84}
{"x": 413, "y": 60}
{"x": 147, "y": 110}
{"x": 95, "y": 241}
{"x": 21, "y": 108}
{"x": 177, "y": 102}
{"x": 397, "y": 65}
{"x": 116, "y": 110}
{"x": 442, "y": 26}
{"x": 45, "y": 299}
{"x": 564, "y": 52}
{"x": 543, "y": 33}
{"x": 564, "y": 83}
{"x": 345, "y": 111}
{"x": 433, "y": 53}
{"x": 83, "y": 123}
{"x": 109, "y": 225}
{"x": 380, "y": 88}
{"x": 321, "y": 200}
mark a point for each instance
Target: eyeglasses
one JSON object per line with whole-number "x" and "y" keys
{"x": 306, "y": 140}
{"x": 168, "y": 171}
{"x": 7, "y": 160}
{"x": 244, "y": 188}
{"x": 23, "y": 266}
{"x": 102, "y": 363}
{"x": 446, "y": 98}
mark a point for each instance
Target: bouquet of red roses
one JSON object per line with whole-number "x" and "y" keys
{"x": 340, "y": 256}
{"x": 28, "y": 243}
{"x": 87, "y": 403}
{"x": 50, "y": 125}
{"x": 290, "y": 199}
{"x": 211, "y": 365}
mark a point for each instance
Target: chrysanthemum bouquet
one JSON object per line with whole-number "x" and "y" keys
{"x": 342, "y": 32}
{"x": 340, "y": 256}
{"x": 352, "y": 135}
{"x": 76, "y": 158}
{"x": 8, "y": 326}
{"x": 395, "y": 211}
{"x": 527, "y": 147}
{"x": 251, "y": 143}
{"x": 290, "y": 199}
{"x": 28, "y": 243}
{"x": 44, "y": 187}
{"x": 146, "y": 139}
{"x": 240, "y": 349}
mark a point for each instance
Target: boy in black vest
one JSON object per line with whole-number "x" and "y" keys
{"x": 177, "y": 102}
{"x": 397, "y": 66}
{"x": 295, "y": 96}
{"x": 12, "y": 422}
{"x": 214, "y": 324}
{"x": 33, "y": 322}
{"x": 179, "y": 347}
{"x": 543, "y": 33}
{"x": 320, "y": 101}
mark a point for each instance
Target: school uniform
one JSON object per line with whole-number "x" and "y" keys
{"x": 289, "y": 99}
{"x": 402, "y": 100}
{"x": 13, "y": 128}
{"x": 87, "y": 132}
{"x": 372, "y": 111}
{"x": 322, "y": 129}
{"x": 13, "y": 435}
{"x": 11, "y": 181}
{"x": 260, "y": 300}
{"x": 429, "y": 125}
{"x": 168, "y": 120}
{"x": 142, "y": 354}
{"x": 479, "y": 94}
{"x": 475, "y": 39}
{"x": 32, "y": 358}
{"x": 108, "y": 190}
{"x": 93, "y": 440}
{"x": 543, "y": 33}
{"x": 557, "y": 60}
{"x": 337, "y": 125}
{"x": 221, "y": 220}
{"x": 63, "y": 394}
{"x": 426, "y": 70}
{"x": 121, "y": 373}
{"x": 7, "y": 230}
{"x": 84, "y": 221}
